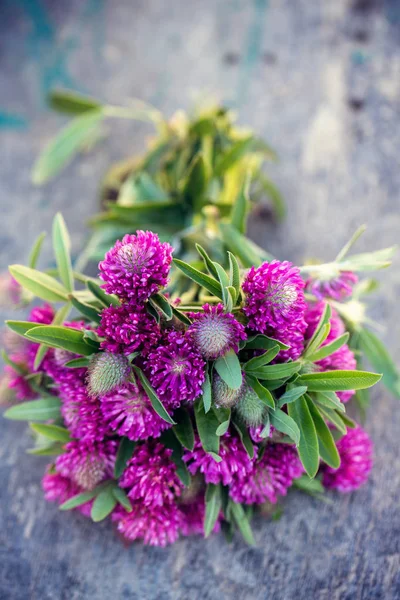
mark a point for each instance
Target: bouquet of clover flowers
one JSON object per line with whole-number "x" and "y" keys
{"x": 177, "y": 419}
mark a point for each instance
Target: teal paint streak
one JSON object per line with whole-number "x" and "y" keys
{"x": 252, "y": 50}
{"x": 12, "y": 121}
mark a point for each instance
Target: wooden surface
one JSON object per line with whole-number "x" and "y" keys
{"x": 321, "y": 81}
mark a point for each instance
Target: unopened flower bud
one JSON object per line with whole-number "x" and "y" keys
{"x": 106, "y": 372}
{"x": 250, "y": 408}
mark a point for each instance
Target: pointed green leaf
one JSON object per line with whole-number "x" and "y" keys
{"x": 125, "y": 451}
{"x": 161, "y": 302}
{"x": 106, "y": 299}
{"x": 234, "y": 273}
{"x": 241, "y": 207}
{"x": 242, "y": 522}
{"x": 207, "y": 424}
{"x": 87, "y": 311}
{"x": 122, "y": 499}
{"x": 260, "y": 361}
{"x": 244, "y": 437}
{"x": 35, "y": 410}
{"x": 79, "y": 499}
{"x": 278, "y": 371}
{"x": 184, "y": 428}
{"x": 336, "y": 381}
{"x": 262, "y": 342}
{"x": 53, "y": 432}
{"x": 71, "y": 103}
{"x": 207, "y": 261}
{"x": 245, "y": 250}
{"x": 330, "y": 400}
{"x": 262, "y": 392}
{"x": 35, "y": 252}
{"x": 66, "y": 338}
{"x": 200, "y": 278}
{"x": 154, "y": 399}
{"x": 62, "y": 249}
{"x": 327, "y": 447}
{"x": 329, "y": 349}
{"x": 229, "y": 369}
{"x": 291, "y": 395}
{"x": 103, "y": 505}
{"x": 207, "y": 393}
{"x": 213, "y": 507}
{"x": 285, "y": 424}
{"x": 41, "y": 285}
{"x": 308, "y": 448}
{"x": 68, "y": 142}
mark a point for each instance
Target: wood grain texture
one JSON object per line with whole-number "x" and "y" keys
{"x": 321, "y": 82}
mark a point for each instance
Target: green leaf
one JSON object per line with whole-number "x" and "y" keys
{"x": 246, "y": 251}
{"x": 76, "y": 363}
{"x": 213, "y": 507}
{"x": 327, "y": 447}
{"x": 35, "y": 410}
{"x": 122, "y": 498}
{"x": 207, "y": 261}
{"x": 161, "y": 303}
{"x": 241, "y": 207}
{"x": 71, "y": 103}
{"x": 125, "y": 451}
{"x": 200, "y": 278}
{"x": 317, "y": 341}
{"x": 62, "y": 249}
{"x": 262, "y": 342}
{"x": 207, "y": 424}
{"x": 279, "y": 371}
{"x": 380, "y": 359}
{"x": 68, "y": 142}
{"x": 260, "y": 361}
{"x": 234, "y": 273}
{"x": 291, "y": 395}
{"x": 207, "y": 392}
{"x": 224, "y": 281}
{"x": 182, "y": 317}
{"x": 332, "y": 417}
{"x": 58, "y": 319}
{"x": 330, "y": 400}
{"x": 170, "y": 441}
{"x": 34, "y": 255}
{"x": 229, "y": 158}
{"x": 79, "y": 499}
{"x": 41, "y": 285}
{"x": 154, "y": 399}
{"x": 184, "y": 428}
{"x": 262, "y": 392}
{"x": 244, "y": 436}
{"x": 66, "y": 338}
{"x": 336, "y": 381}
{"x": 285, "y": 424}
{"x": 329, "y": 349}
{"x": 317, "y": 338}
{"x": 242, "y": 522}
{"x": 53, "y": 432}
{"x": 21, "y": 327}
{"x": 275, "y": 196}
{"x": 103, "y": 505}
{"x": 229, "y": 369}
{"x": 52, "y": 450}
{"x": 105, "y": 299}
{"x": 196, "y": 182}
{"x": 87, "y": 311}
{"x": 311, "y": 486}
{"x": 308, "y": 448}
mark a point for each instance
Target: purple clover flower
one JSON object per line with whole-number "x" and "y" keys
{"x": 234, "y": 466}
{"x": 128, "y": 329}
{"x": 337, "y": 288}
{"x": 137, "y": 267}
{"x": 176, "y": 369}
{"x": 355, "y": 450}
{"x": 87, "y": 464}
{"x": 150, "y": 476}
{"x": 215, "y": 332}
{"x": 128, "y": 412}
{"x": 270, "y": 478}
{"x": 155, "y": 525}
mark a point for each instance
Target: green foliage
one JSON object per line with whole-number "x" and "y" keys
{"x": 43, "y": 409}
{"x": 125, "y": 451}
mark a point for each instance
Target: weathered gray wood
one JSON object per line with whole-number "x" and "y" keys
{"x": 320, "y": 80}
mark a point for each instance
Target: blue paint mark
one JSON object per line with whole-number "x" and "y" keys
{"x": 12, "y": 121}
{"x": 252, "y": 50}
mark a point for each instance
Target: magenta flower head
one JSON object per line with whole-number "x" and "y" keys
{"x": 215, "y": 332}
{"x": 11, "y": 293}
{"x": 342, "y": 359}
{"x": 128, "y": 412}
{"x": 235, "y": 463}
{"x": 87, "y": 464}
{"x": 270, "y": 478}
{"x": 155, "y": 525}
{"x": 137, "y": 267}
{"x": 128, "y": 329}
{"x": 151, "y": 476}
{"x": 355, "y": 450}
{"x": 274, "y": 296}
{"x": 42, "y": 314}
{"x": 337, "y": 288}
{"x": 176, "y": 369}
